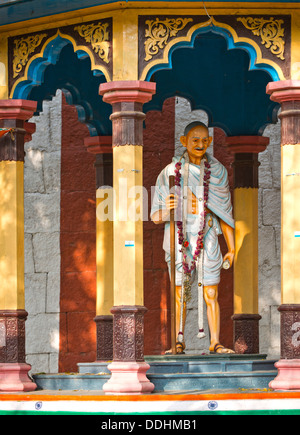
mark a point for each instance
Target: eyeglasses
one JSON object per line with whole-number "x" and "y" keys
{"x": 204, "y": 140}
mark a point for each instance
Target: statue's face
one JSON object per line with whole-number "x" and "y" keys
{"x": 196, "y": 142}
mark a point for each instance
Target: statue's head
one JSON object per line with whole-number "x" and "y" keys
{"x": 196, "y": 140}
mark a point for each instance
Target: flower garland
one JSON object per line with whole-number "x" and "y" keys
{"x": 182, "y": 239}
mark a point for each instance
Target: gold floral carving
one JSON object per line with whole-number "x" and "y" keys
{"x": 22, "y": 49}
{"x": 159, "y": 32}
{"x": 270, "y": 31}
{"x": 98, "y": 36}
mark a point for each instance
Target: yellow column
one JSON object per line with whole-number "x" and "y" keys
{"x": 13, "y": 369}
{"x": 290, "y": 247}
{"x": 246, "y": 317}
{"x": 12, "y": 236}
{"x": 104, "y": 256}
{"x": 128, "y": 225}
{"x": 246, "y": 244}
{"x": 101, "y": 147}
{"x": 287, "y": 93}
{"x": 128, "y": 368}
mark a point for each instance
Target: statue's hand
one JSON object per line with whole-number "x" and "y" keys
{"x": 230, "y": 257}
{"x": 172, "y": 202}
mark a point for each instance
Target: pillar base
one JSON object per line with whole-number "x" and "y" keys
{"x": 288, "y": 375}
{"x": 246, "y": 333}
{"x": 128, "y": 378}
{"x": 104, "y": 338}
{"x": 14, "y": 377}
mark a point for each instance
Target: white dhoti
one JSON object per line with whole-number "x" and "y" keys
{"x": 212, "y": 255}
{"x": 210, "y": 262}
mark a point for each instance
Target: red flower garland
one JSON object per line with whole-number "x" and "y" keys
{"x": 181, "y": 240}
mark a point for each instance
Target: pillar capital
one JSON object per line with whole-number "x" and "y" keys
{"x": 127, "y": 91}
{"x": 247, "y": 144}
{"x": 287, "y": 93}
{"x": 17, "y": 109}
{"x": 14, "y": 115}
{"x": 127, "y": 99}
{"x": 284, "y": 91}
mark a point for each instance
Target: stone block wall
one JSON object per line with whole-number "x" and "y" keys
{"x": 269, "y": 257}
{"x": 42, "y": 238}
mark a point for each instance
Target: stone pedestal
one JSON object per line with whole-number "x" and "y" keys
{"x": 13, "y": 369}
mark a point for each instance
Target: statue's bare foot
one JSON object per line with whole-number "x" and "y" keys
{"x": 220, "y": 350}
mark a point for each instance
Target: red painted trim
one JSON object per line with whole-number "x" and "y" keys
{"x": 30, "y": 128}
{"x": 99, "y": 144}
{"x": 129, "y": 91}
{"x": 78, "y": 245}
{"x": 285, "y": 90}
{"x": 247, "y": 144}
{"x": 17, "y": 109}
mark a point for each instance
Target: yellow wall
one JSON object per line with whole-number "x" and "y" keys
{"x": 3, "y": 69}
{"x": 105, "y": 256}
{"x": 246, "y": 245}
{"x": 11, "y": 236}
{"x": 295, "y": 60}
{"x": 290, "y": 210}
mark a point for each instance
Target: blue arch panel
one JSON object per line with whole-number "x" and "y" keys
{"x": 62, "y": 68}
{"x": 216, "y": 78}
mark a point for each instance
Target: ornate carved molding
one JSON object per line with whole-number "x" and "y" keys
{"x": 104, "y": 338}
{"x": 23, "y": 47}
{"x": 98, "y": 36}
{"x": 267, "y": 39}
{"x": 246, "y": 333}
{"x": 12, "y": 339}
{"x": 94, "y": 38}
{"x": 129, "y": 333}
{"x": 290, "y": 331}
{"x": 270, "y": 31}
{"x": 159, "y": 32}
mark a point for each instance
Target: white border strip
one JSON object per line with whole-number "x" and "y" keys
{"x": 158, "y": 407}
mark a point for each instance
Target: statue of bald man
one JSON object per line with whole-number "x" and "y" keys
{"x": 203, "y": 203}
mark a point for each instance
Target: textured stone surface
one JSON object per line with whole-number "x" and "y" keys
{"x": 42, "y": 234}
{"x": 269, "y": 243}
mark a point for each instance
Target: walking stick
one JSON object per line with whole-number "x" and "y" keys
{"x": 173, "y": 270}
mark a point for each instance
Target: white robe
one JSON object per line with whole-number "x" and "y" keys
{"x": 219, "y": 202}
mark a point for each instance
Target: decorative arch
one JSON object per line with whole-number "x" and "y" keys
{"x": 62, "y": 63}
{"x": 233, "y": 40}
{"x": 220, "y": 82}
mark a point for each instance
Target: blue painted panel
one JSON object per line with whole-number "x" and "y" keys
{"x": 4, "y": 3}
{"x": 218, "y": 81}
{"x": 13, "y": 11}
{"x": 61, "y": 68}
